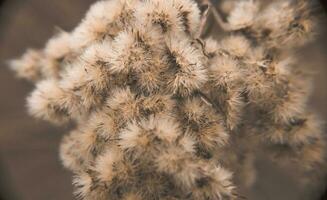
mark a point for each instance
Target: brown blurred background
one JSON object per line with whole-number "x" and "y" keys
{"x": 29, "y": 164}
{"x": 29, "y": 158}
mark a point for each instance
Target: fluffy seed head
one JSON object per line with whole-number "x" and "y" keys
{"x": 158, "y": 111}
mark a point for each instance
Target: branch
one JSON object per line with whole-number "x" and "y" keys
{"x": 225, "y": 26}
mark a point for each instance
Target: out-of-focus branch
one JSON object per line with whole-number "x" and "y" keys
{"x": 204, "y": 19}
{"x": 217, "y": 16}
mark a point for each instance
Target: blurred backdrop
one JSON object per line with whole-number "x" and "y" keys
{"x": 29, "y": 163}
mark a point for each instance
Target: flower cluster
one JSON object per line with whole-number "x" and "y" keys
{"x": 161, "y": 113}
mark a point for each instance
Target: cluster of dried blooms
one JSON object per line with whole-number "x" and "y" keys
{"x": 161, "y": 113}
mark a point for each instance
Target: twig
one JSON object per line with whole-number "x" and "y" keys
{"x": 225, "y": 26}
{"x": 204, "y": 19}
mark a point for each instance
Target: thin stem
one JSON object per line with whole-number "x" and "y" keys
{"x": 204, "y": 20}
{"x": 225, "y": 26}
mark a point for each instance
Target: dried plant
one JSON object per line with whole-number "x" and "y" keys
{"x": 162, "y": 113}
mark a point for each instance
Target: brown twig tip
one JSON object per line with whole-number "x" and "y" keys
{"x": 217, "y": 16}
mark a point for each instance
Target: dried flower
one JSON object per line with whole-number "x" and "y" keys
{"x": 163, "y": 114}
